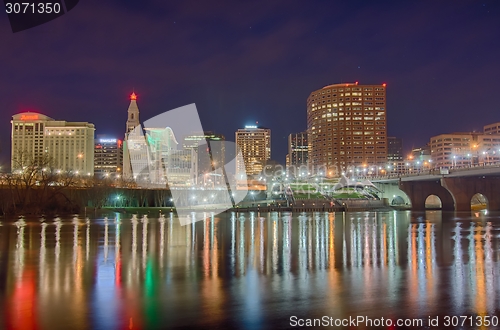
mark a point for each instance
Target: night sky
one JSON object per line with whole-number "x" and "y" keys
{"x": 247, "y": 61}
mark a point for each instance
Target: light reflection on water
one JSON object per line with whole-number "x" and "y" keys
{"x": 246, "y": 270}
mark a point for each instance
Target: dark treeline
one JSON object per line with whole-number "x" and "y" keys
{"x": 37, "y": 187}
{"x": 70, "y": 200}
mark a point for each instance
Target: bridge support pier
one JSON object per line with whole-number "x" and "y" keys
{"x": 418, "y": 191}
{"x": 390, "y": 190}
{"x": 464, "y": 188}
{"x": 455, "y": 190}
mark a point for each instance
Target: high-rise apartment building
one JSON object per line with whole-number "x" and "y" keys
{"x": 41, "y": 140}
{"x": 255, "y": 145}
{"x": 347, "y": 127}
{"x": 108, "y": 156}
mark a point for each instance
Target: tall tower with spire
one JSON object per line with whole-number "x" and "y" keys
{"x": 133, "y": 114}
{"x": 131, "y": 139}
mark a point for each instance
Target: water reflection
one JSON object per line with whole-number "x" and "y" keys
{"x": 245, "y": 270}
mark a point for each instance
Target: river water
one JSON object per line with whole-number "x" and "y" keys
{"x": 248, "y": 271}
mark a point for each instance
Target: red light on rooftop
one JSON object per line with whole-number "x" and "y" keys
{"x": 133, "y": 97}
{"x": 29, "y": 117}
{"x": 384, "y": 84}
{"x": 356, "y": 82}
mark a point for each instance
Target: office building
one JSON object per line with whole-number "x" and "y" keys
{"x": 492, "y": 128}
{"x": 347, "y": 127}
{"x": 298, "y": 149}
{"x": 464, "y": 149}
{"x": 42, "y": 141}
{"x": 421, "y": 153}
{"x": 255, "y": 145}
{"x": 151, "y": 156}
{"x": 209, "y": 150}
{"x": 169, "y": 164}
{"x": 394, "y": 149}
{"x": 108, "y": 157}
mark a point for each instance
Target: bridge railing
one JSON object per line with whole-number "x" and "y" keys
{"x": 436, "y": 171}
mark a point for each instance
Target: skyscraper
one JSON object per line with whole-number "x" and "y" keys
{"x": 255, "y": 145}
{"x": 346, "y": 126}
{"x": 43, "y": 141}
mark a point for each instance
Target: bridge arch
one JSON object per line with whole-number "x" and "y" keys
{"x": 394, "y": 195}
{"x": 397, "y": 200}
{"x": 465, "y": 188}
{"x": 433, "y": 202}
{"x": 478, "y": 202}
{"x": 456, "y": 192}
{"x": 418, "y": 191}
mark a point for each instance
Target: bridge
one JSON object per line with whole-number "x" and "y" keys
{"x": 455, "y": 187}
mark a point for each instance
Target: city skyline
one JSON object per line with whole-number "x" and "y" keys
{"x": 243, "y": 63}
{"x": 406, "y": 155}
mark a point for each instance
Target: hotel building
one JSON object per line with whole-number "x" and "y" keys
{"x": 255, "y": 145}
{"x": 347, "y": 127}
{"x": 42, "y": 141}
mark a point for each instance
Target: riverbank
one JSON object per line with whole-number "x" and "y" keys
{"x": 157, "y": 211}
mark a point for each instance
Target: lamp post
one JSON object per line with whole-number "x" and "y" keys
{"x": 486, "y": 156}
{"x": 476, "y": 156}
